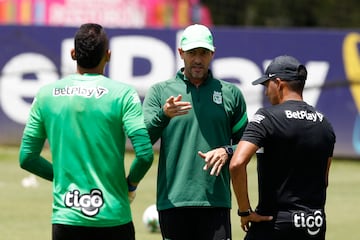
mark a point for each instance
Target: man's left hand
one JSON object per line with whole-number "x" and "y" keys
{"x": 215, "y": 158}
{"x": 253, "y": 217}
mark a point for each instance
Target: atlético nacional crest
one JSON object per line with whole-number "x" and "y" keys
{"x": 217, "y": 97}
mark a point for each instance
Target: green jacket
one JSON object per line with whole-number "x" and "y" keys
{"x": 217, "y": 118}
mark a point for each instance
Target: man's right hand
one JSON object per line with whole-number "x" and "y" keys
{"x": 131, "y": 190}
{"x": 131, "y": 196}
{"x": 175, "y": 107}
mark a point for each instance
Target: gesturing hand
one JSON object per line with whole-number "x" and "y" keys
{"x": 215, "y": 158}
{"x": 175, "y": 107}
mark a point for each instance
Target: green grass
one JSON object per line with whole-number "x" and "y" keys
{"x": 25, "y": 212}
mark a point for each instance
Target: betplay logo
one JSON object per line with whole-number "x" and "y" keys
{"x": 81, "y": 91}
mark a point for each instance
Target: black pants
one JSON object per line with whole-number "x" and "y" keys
{"x": 193, "y": 223}
{"x": 283, "y": 227}
{"x": 69, "y": 232}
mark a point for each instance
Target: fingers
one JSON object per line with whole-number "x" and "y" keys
{"x": 254, "y": 217}
{"x": 265, "y": 218}
{"x": 201, "y": 154}
{"x": 245, "y": 224}
{"x": 217, "y": 169}
{"x": 178, "y": 98}
{"x": 245, "y": 227}
{"x": 207, "y": 159}
{"x": 170, "y": 100}
{"x": 173, "y": 99}
{"x": 174, "y": 107}
{"x": 177, "y": 110}
{"x": 217, "y": 166}
{"x": 213, "y": 160}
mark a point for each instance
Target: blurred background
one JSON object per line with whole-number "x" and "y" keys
{"x": 36, "y": 37}
{"x": 179, "y": 13}
{"x": 35, "y": 41}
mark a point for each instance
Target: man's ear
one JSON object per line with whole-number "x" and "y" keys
{"x": 278, "y": 83}
{"x": 73, "y": 55}
{"x": 107, "y": 55}
{"x": 181, "y": 53}
{"x": 281, "y": 84}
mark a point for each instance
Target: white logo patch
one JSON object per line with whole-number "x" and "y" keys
{"x": 217, "y": 97}
{"x": 89, "y": 203}
{"x": 257, "y": 118}
{"x": 81, "y": 91}
{"x": 304, "y": 115}
{"x": 311, "y": 222}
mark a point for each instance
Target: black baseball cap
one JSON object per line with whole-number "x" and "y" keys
{"x": 284, "y": 67}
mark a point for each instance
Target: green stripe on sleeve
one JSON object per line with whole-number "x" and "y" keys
{"x": 240, "y": 124}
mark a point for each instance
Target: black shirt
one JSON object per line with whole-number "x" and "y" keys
{"x": 295, "y": 143}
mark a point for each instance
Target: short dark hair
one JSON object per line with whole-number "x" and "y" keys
{"x": 91, "y": 43}
{"x": 298, "y": 84}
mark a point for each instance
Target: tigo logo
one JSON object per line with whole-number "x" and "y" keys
{"x": 88, "y": 203}
{"x": 311, "y": 222}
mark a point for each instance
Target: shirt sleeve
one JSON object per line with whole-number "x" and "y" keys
{"x": 155, "y": 118}
{"x": 133, "y": 117}
{"x": 144, "y": 155}
{"x": 136, "y": 131}
{"x": 35, "y": 126}
{"x": 257, "y": 128}
{"x": 240, "y": 118}
{"x": 32, "y": 142}
{"x": 30, "y": 159}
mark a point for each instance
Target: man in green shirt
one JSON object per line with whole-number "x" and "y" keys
{"x": 196, "y": 117}
{"x": 86, "y": 118}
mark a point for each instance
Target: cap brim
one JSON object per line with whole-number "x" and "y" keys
{"x": 260, "y": 80}
{"x": 193, "y": 45}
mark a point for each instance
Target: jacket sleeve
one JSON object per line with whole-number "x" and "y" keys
{"x": 135, "y": 129}
{"x": 30, "y": 159}
{"x": 154, "y": 116}
{"x": 144, "y": 155}
{"x": 240, "y": 118}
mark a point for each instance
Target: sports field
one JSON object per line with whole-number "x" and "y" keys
{"x": 25, "y": 211}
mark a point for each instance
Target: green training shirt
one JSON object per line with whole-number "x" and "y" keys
{"x": 86, "y": 119}
{"x": 217, "y": 118}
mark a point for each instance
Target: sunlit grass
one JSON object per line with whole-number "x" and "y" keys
{"x": 26, "y": 212}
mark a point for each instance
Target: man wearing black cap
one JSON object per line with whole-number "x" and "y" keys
{"x": 294, "y": 145}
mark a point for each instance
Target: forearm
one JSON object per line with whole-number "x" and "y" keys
{"x": 144, "y": 155}
{"x": 30, "y": 159}
{"x": 238, "y": 170}
{"x": 156, "y": 124}
{"x": 240, "y": 186}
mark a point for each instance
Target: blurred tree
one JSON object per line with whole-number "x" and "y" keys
{"x": 286, "y": 13}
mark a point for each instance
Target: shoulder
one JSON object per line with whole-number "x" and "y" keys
{"x": 160, "y": 87}
{"x": 57, "y": 85}
{"x": 230, "y": 91}
{"x": 267, "y": 114}
{"x": 116, "y": 86}
{"x": 228, "y": 86}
